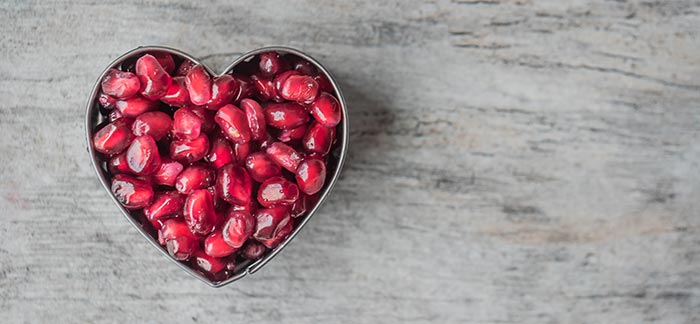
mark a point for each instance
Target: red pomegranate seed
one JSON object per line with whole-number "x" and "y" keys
{"x": 318, "y": 139}
{"x": 284, "y": 155}
{"x": 239, "y": 226}
{"x": 167, "y": 173}
{"x": 189, "y": 150}
{"x": 301, "y": 65}
{"x": 252, "y": 250}
{"x": 249, "y": 207}
{"x": 255, "y": 117}
{"x": 172, "y": 229}
{"x": 326, "y": 110}
{"x": 292, "y": 134}
{"x": 269, "y": 222}
{"x": 280, "y": 237}
{"x": 300, "y": 207}
{"x": 266, "y": 142}
{"x": 209, "y": 264}
{"x": 271, "y": 63}
{"x": 279, "y": 80}
{"x": 165, "y": 204}
{"x": 323, "y": 83}
{"x": 245, "y": 87}
{"x": 265, "y": 88}
{"x": 196, "y": 176}
{"x": 285, "y": 115}
{"x": 310, "y": 176}
{"x": 233, "y": 184}
{"x": 135, "y": 106}
{"x": 220, "y": 153}
{"x": 223, "y": 91}
{"x": 177, "y": 95}
{"x": 185, "y": 68}
{"x": 113, "y": 138}
{"x": 117, "y": 164}
{"x": 186, "y": 124}
{"x": 165, "y": 60}
{"x": 142, "y": 156}
{"x": 261, "y": 167}
{"x": 216, "y": 246}
{"x": 155, "y": 81}
{"x": 199, "y": 212}
{"x": 198, "y": 85}
{"x": 179, "y": 241}
{"x": 207, "y": 117}
{"x": 277, "y": 191}
{"x": 155, "y": 124}
{"x": 121, "y": 85}
{"x": 114, "y": 115}
{"x": 299, "y": 88}
{"x": 107, "y": 102}
{"x": 241, "y": 151}
{"x": 233, "y": 123}
{"x": 131, "y": 192}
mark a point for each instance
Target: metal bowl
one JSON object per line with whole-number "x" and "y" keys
{"x": 93, "y": 118}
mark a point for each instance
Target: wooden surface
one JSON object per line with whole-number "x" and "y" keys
{"x": 511, "y": 161}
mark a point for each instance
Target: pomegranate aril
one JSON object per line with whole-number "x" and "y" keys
{"x": 117, "y": 164}
{"x": 233, "y": 184}
{"x": 165, "y": 204}
{"x": 107, "y": 102}
{"x": 223, "y": 91}
{"x": 249, "y": 207}
{"x": 199, "y": 212}
{"x": 142, "y": 157}
{"x": 220, "y": 152}
{"x": 167, "y": 173}
{"x": 241, "y": 151}
{"x": 252, "y": 250}
{"x": 265, "y": 88}
{"x": 300, "y": 206}
{"x": 285, "y": 115}
{"x": 156, "y": 124}
{"x": 277, "y": 191}
{"x": 245, "y": 87}
{"x": 233, "y": 123}
{"x": 185, "y": 67}
{"x": 261, "y": 167}
{"x": 326, "y": 110}
{"x": 114, "y": 115}
{"x": 256, "y": 118}
{"x": 301, "y": 65}
{"x": 280, "y": 237}
{"x": 216, "y": 246}
{"x": 266, "y": 142}
{"x": 113, "y": 138}
{"x": 299, "y": 88}
{"x": 292, "y": 134}
{"x": 177, "y": 95}
{"x": 189, "y": 150}
{"x": 324, "y": 84}
{"x": 279, "y": 80}
{"x": 269, "y": 221}
{"x": 271, "y": 63}
{"x": 209, "y": 264}
{"x": 119, "y": 84}
{"x": 310, "y": 176}
{"x": 135, "y": 106}
{"x": 318, "y": 139}
{"x": 178, "y": 239}
{"x": 155, "y": 81}
{"x": 284, "y": 155}
{"x": 207, "y": 117}
{"x": 196, "y": 176}
{"x": 186, "y": 124}
{"x": 131, "y": 192}
{"x": 181, "y": 248}
{"x": 198, "y": 85}
{"x": 165, "y": 60}
{"x": 238, "y": 227}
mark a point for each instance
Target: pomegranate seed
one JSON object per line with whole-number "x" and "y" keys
{"x": 155, "y": 124}
{"x": 165, "y": 60}
{"x": 281, "y": 78}
{"x": 233, "y": 123}
{"x": 261, "y": 167}
{"x": 142, "y": 157}
{"x": 326, "y": 110}
{"x": 199, "y": 212}
{"x": 189, "y": 150}
{"x": 252, "y": 250}
{"x": 265, "y": 143}
{"x": 117, "y": 164}
{"x": 177, "y": 95}
{"x": 131, "y": 192}
{"x": 277, "y": 191}
{"x": 114, "y": 115}
{"x": 299, "y": 88}
{"x": 239, "y": 226}
{"x": 135, "y": 106}
{"x": 310, "y": 176}
{"x": 207, "y": 117}
{"x": 300, "y": 206}
{"x": 292, "y": 134}
{"x": 196, "y": 176}
{"x": 301, "y": 65}
{"x": 245, "y": 87}
{"x": 271, "y": 63}
{"x": 198, "y": 85}
{"x": 216, "y": 246}
{"x": 165, "y": 204}
{"x": 323, "y": 83}
{"x": 280, "y": 237}
{"x": 107, "y": 102}
{"x": 220, "y": 153}
{"x": 233, "y": 184}
{"x": 269, "y": 222}
{"x": 155, "y": 81}
{"x": 285, "y": 115}
{"x": 249, "y": 207}
{"x": 284, "y": 155}
{"x": 186, "y": 124}
{"x": 223, "y": 91}
{"x": 318, "y": 139}
{"x": 167, "y": 173}
{"x": 121, "y": 85}
{"x": 256, "y": 118}
{"x": 179, "y": 241}
{"x": 241, "y": 151}
{"x": 185, "y": 67}
{"x": 113, "y": 138}
{"x": 265, "y": 88}
{"x": 209, "y": 264}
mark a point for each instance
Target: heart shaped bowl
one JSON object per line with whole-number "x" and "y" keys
{"x": 94, "y": 117}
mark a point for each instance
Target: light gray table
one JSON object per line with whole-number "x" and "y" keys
{"x": 511, "y": 161}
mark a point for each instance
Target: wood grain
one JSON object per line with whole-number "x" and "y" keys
{"x": 511, "y": 161}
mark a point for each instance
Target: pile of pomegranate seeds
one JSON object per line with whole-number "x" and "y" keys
{"x": 221, "y": 167}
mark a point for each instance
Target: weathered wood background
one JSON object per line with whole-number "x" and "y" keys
{"x": 510, "y": 162}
